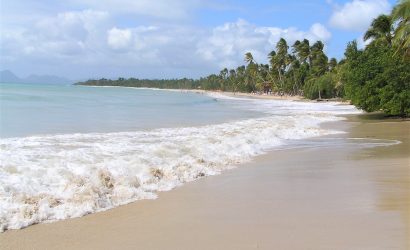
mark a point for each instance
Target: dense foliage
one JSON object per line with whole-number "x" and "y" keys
{"x": 183, "y": 83}
{"x": 375, "y": 78}
{"x": 378, "y": 77}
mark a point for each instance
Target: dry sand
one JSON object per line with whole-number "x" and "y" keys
{"x": 332, "y": 197}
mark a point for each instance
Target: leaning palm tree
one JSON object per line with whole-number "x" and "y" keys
{"x": 319, "y": 60}
{"x": 251, "y": 73}
{"x": 233, "y": 80}
{"x": 223, "y": 75}
{"x": 272, "y": 73}
{"x": 301, "y": 50}
{"x": 282, "y": 50}
{"x": 271, "y": 55}
{"x": 401, "y": 15}
{"x": 305, "y": 51}
{"x": 249, "y": 57}
{"x": 276, "y": 64}
{"x": 281, "y": 60}
{"x": 381, "y": 29}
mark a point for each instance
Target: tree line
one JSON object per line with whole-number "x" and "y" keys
{"x": 374, "y": 78}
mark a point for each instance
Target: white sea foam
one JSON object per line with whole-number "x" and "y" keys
{"x": 47, "y": 178}
{"x": 289, "y": 107}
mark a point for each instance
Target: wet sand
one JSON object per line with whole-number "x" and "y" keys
{"x": 330, "y": 197}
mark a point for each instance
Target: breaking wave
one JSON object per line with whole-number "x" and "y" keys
{"x": 54, "y": 177}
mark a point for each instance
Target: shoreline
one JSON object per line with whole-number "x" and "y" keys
{"x": 250, "y": 95}
{"x": 223, "y": 148}
{"x": 212, "y": 210}
{"x": 231, "y": 94}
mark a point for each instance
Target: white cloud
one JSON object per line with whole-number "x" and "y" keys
{"x": 64, "y": 35}
{"x": 319, "y": 32}
{"x": 358, "y": 14}
{"x": 228, "y": 43}
{"x": 118, "y": 38}
{"x": 92, "y": 41}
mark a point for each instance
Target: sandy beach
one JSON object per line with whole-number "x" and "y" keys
{"x": 246, "y": 95}
{"x": 330, "y": 197}
{"x": 203, "y": 125}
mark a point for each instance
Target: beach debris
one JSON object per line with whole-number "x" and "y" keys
{"x": 157, "y": 173}
{"x": 106, "y": 179}
{"x": 200, "y": 174}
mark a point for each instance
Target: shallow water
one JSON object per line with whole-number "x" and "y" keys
{"x": 68, "y": 151}
{"x": 32, "y": 109}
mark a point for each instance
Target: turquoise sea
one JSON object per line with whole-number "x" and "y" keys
{"x": 32, "y": 109}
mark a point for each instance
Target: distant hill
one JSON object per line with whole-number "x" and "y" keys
{"x": 9, "y": 77}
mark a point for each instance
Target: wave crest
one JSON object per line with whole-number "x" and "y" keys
{"x": 47, "y": 178}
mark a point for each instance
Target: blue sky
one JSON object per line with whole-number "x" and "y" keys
{"x": 81, "y": 39}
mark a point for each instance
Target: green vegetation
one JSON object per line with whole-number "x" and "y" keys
{"x": 375, "y": 78}
{"x": 145, "y": 83}
{"x": 378, "y": 77}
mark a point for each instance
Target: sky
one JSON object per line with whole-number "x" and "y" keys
{"x": 83, "y": 39}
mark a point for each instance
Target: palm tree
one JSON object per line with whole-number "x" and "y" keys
{"x": 293, "y": 72}
{"x": 272, "y": 72}
{"x": 233, "y": 79}
{"x": 302, "y": 50}
{"x": 251, "y": 71}
{"x": 240, "y": 76}
{"x": 381, "y": 29}
{"x": 295, "y": 47}
{"x": 319, "y": 61}
{"x": 249, "y": 57}
{"x": 282, "y": 50}
{"x": 281, "y": 60}
{"x": 261, "y": 76}
{"x": 271, "y": 55}
{"x": 401, "y": 14}
{"x": 223, "y": 74}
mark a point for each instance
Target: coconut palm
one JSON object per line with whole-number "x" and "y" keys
{"x": 282, "y": 51}
{"x": 251, "y": 73}
{"x": 271, "y": 55}
{"x": 240, "y": 76}
{"x": 223, "y": 75}
{"x": 401, "y": 15}
{"x": 381, "y": 29}
{"x": 233, "y": 80}
{"x": 249, "y": 57}
{"x": 281, "y": 60}
{"x": 301, "y": 50}
{"x": 319, "y": 61}
{"x": 272, "y": 74}
{"x": 293, "y": 73}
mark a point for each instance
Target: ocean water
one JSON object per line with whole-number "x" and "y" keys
{"x": 67, "y": 151}
{"x": 33, "y": 109}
